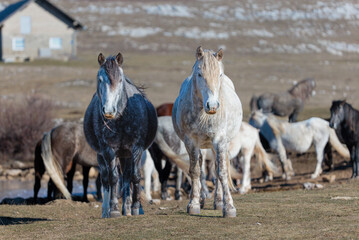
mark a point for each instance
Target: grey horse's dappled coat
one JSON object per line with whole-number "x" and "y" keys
{"x": 120, "y": 123}
{"x": 289, "y": 103}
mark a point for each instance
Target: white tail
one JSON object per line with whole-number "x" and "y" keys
{"x": 263, "y": 157}
{"x": 173, "y": 157}
{"x": 337, "y": 145}
{"x": 52, "y": 167}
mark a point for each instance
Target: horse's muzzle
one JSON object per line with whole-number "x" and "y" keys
{"x": 210, "y": 109}
{"x": 109, "y": 115}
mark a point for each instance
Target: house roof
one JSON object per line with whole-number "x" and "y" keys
{"x": 46, "y": 5}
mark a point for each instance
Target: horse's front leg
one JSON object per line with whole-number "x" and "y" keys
{"x": 193, "y": 206}
{"x": 221, "y": 155}
{"x": 178, "y": 184}
{"x": 356, "y": 162}
{"x": 285, "y": 162}
{"x": 246, "y": 168}
{"x": 319, "y": 148}
{"x": 126, "y": 165}
{"x": 204, "y": 190}
{"x": 136, "y": 178}
{"x": 104, "y": 171}
{"x": 109, "y": 179}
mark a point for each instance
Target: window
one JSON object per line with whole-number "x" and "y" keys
{"x": 18, "y": 44}
{"x": 25, "y": 25}
{"x": 55, "y": 43}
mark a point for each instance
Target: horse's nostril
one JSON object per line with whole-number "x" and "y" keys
{"x": 103, "y": 109}
{"x": 208, "y": 105}
{"x": 218, "y": 105}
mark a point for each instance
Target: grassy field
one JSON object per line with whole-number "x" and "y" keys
{"x": 331, "y": 213}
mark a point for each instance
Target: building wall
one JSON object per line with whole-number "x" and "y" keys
{"x": 43, "y": 27}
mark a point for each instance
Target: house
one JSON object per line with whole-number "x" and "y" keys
{"x": 31, "y": 29}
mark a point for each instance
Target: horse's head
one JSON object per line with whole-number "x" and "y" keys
{"x": 336, "y": 113}
{"x": 207, "y": 75}
{"x": 110, "y": 79}
{"x": 257, "y": 118}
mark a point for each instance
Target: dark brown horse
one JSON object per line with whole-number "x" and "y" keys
{"x": 289, "y": 103}
{"x": 66, "y": 147}
{"x": 164, "y": 109}
{"x": 345, "y": 119}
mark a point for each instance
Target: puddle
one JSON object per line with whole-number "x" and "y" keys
{"x": 24, "y": 189}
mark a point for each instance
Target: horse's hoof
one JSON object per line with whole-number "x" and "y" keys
{"x": 313, "y": 176}
{"x": 230, "y": 213}
{"x": 106, "y": 215}
{"x": 218, "y": 206}
{"x": 193, "y": 209}
{"x": 177, "y": 195}
{"x": 135, "y": 211}
{"x": 115, "y": 214}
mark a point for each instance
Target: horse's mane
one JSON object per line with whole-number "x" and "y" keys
{"x": 303, "y": 89}
{"x": 275, "y": 124}
{"x": 210, "y": 65}
{"x": 141, "y": 89}
{"x": 111, "y": 69}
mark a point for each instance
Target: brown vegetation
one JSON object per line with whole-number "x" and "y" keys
{"x": 22, "y": 124}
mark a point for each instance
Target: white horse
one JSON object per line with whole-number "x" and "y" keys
{"x": 149, "y": 172}
{"x": 297, "y": 137}
{"x": 208, "y": 114}
{"x": 247, "y": 143}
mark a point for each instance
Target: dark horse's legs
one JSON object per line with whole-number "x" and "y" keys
{"x": 98, "y": 187}
{"x": 85, "y": 181}
{"x": 109, "y": 178}
{"x": 126, "y": 165}
{"x": 70, "y": 177}
{"x": 164, "y": 173}
{"x": 355, "y": 161}
{"x": 39, "y": 170}
{"x": 136, "y": 178}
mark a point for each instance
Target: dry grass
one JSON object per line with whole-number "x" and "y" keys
{"x": 295, "y": 214}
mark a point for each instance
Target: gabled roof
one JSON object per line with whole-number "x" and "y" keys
{"x": 62, "y": 16}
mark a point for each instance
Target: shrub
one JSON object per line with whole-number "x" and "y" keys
{"x": 22, "y": 124}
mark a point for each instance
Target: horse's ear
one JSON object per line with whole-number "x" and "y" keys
{"x": 101, "y": 59}
{"x": 343, "y": 102}
{"x": 119, "y": 59}
{"x": 199, "y": 53}
{"x": 219, "y": 54}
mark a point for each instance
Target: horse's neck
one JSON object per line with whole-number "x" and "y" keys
{"x": 122, "y": 101}
{"x": 351, "y": 118}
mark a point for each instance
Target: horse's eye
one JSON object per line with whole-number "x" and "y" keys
{"x": 199, "y": 75}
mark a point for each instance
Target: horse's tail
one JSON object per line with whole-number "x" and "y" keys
{"x": 337, "y": 145}
{"x": 52, "y": 166}
{"x": 254, "y": 103}
{"x": 231, "y": 170}
{"x": 173, "y": 157}
{"x": 263, "y": 158}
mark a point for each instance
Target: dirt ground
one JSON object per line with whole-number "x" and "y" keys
{"x": 330, "y": 213}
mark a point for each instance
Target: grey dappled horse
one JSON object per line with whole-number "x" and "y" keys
{"x": 289, "y": 103}
{"x": 119, "y": 124}
{"x": 208, "y": 114}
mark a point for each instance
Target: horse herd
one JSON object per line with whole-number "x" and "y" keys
{"x": 122, "y": 132}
